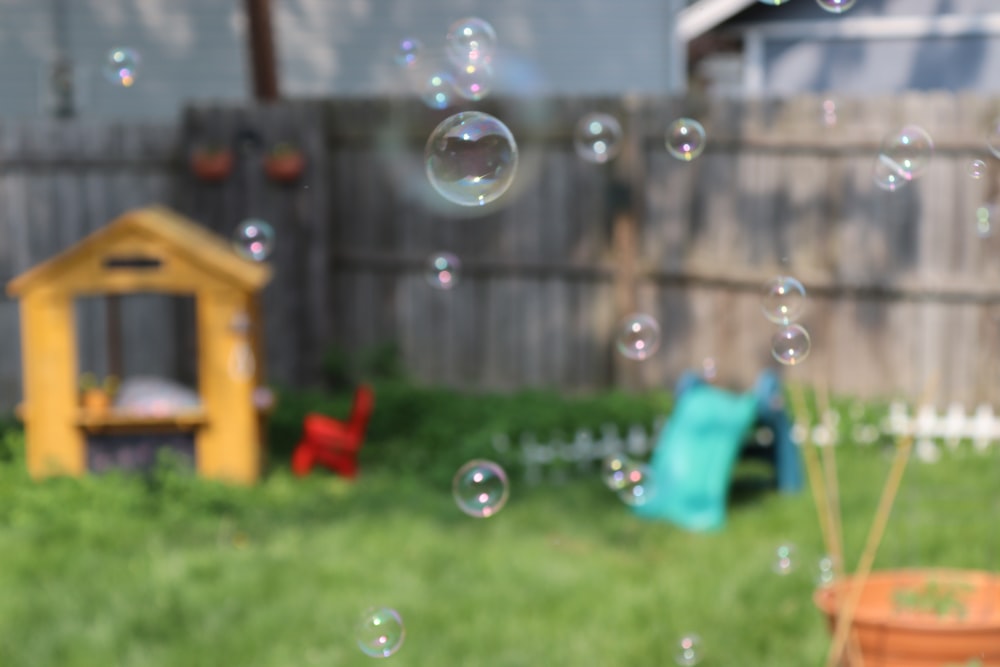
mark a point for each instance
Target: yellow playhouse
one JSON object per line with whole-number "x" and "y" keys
{"x": 145, "y": 250}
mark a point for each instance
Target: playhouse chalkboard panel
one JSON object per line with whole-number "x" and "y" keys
{"x": 139, "y": 452}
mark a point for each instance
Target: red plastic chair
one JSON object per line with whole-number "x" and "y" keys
{"x": 334, "y": 444}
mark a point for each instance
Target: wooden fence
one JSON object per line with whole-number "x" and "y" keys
{"x": 901, "y": 287}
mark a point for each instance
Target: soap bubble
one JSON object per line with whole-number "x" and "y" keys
{"x": 985, "y": 215}
{"x": 380, "y": 632}
{"x": 598, "y": 138}
{"x": 783, "y": 300}
{"x": 442, "y": 270}
{"x": 977, "y": 169}
{"x": 791, "y": 344}
{"x": 254, "y": 239}
{"x": 638, "y": 336}
{"x": 438, "y": 90}
{"x": 121, "y": 66}
{"x": 614, "y": 469}
{"x": 829, "y": 112}
{"x": 709, "y": 371}
{"x": 907, "y": 151}
{"x": 470, "y": 40}
{"x": 471, "y": 158}
{"x": 886, "y": 176}
{"x": 685, "y": 139}
{"x": 835, "y": 6}
{"x": 825, "y": 574}
{"x": 474, "y": 81}
{"x": 639, "y": 487}
{"x": 774, "y": 3}
{"x": 689, "y": 650}
{"x": 784, "y": 559}
{"x": 408, "y": 52}
{"x": 480, "y": 488}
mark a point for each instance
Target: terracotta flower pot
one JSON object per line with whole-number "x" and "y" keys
{"x": 923, "y": 617}
{"x": 284, "y": 167}
{"x": 211, "y": 166}
{"x": 96, "y": 401}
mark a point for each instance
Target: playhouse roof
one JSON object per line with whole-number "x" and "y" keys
{"x": 175, "y": 234}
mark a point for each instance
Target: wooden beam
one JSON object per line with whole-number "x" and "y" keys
{"x": 261, "y": 48}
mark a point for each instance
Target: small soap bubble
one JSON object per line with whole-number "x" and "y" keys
{"x": 614, "y": 469}
{"x": 408, "y": 52}
{"x": 470, "y": 40}
{"x": 638, "y": 336}
{"x": 783, "y": 300}
{"x": 598, "y": 138}
{"x": 471, "y": 158}
{"x": 380, "y": 632}
{"x": 791, "y": 344}
{"x": 474, "y": 81}
{"x": 709, "y": 371}
{"x": 685, "y": 139}
{"x": 835, "y": 6}
{"x": 985, "y": 215}
{"x": 829, "y": 112}
{"x": 825, "y": 572}
{"x": 639, "y": 486}
{"x": 254, "y": 239}
{"x": 977, "y": 169}
{"x": 907, "y": 151}
{"x": 689, "y": 651}
{"x": 121, "y": 66}
{"x": 886, "y": 176}
{"x": 438, "y": 90}
{"x": 480, "y": 488}
{"x": 774, "y": 3}
{"x": 784, "y": 559}
{"x": 443, "y": 270}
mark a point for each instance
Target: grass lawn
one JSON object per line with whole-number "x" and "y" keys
{"x": 173, "y": 571}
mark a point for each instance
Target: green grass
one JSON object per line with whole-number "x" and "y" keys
{"x": 170, "y": 570}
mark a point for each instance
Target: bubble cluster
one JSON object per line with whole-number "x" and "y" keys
{"x": 443, "y": 270}
{"x": 471, "y": 158}
{"x": 685, "y": 139}
{"x": 783, "y": 300}
{"x": 121, "y": 66}
{"x": 791, "y": 345}
{"x": 639, "y": 485}
{"x": 254, "y": 239}
{"x": 470, "y": 40}
{"x": 689, "y": 650}
{"x": 480, "y": 488}
{"x": 904, "y": 156}
{"x": 380, "y": 632}
{"x": 977, "y": 169}
{"x": 408, "y": 52}
{"x": 614, "y": 470}
{"x": 638, "y": 336}
{"x": 784, "y": 560}
{"x": 598, "y": 138}
{"x": 836, "y": 6}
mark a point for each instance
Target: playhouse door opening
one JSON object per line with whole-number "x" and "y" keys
{"x": 137, "y": 356}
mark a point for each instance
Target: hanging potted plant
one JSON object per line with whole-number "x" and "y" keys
{"x": 96, "y": 398}
{"x": 284, "y": 163}
{"x": 211, "y": 163}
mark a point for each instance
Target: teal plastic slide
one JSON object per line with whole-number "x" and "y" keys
{"x": 693, "y": 462}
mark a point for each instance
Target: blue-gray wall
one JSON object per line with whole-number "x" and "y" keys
{"x": 194, "y": 49}
{"x": 794, "y": 64}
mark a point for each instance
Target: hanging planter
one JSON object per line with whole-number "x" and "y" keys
{"x": 211, "y": 164}
{"x": 922, "y": 617}
{"x": 284, "y": 163}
